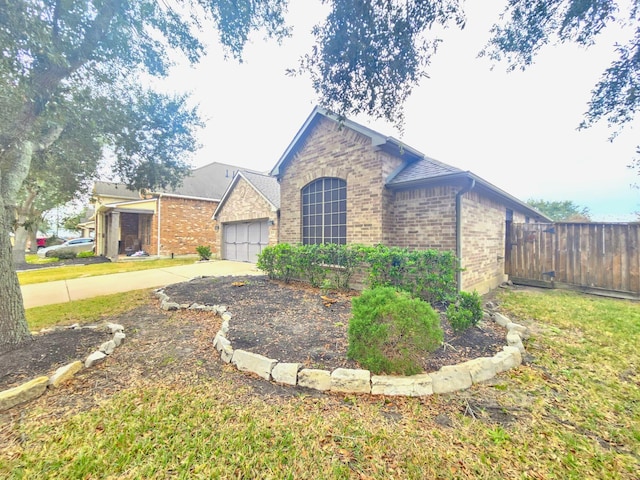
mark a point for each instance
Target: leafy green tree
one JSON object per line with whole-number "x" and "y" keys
{"x": 53, "y": 52}
{"x": 561, "y": 211}
{"x": 369, "y": 55}
{"x": 527, "y": 26}
{"x": 72, "y": 221}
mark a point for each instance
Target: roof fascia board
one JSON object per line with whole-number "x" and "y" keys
{"x": 99, "y": 195}
{"x": 132, "y": 202}
{"x": 186, "y": 197}
{"x": 128, "y": 210}
{"x": 488, "y": 189}
{"x": 297, "y": 139}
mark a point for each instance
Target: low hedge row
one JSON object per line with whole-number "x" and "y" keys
{"x": 426, "y": 274}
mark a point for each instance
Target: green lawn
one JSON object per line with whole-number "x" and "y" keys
{"x": 68, "y": 272}
{"x": 89, "y": 310}
{"x": 572, "y": 413}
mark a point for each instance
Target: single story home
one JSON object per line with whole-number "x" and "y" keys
{"x": 160, "y": 222}
{"x": 341, "y": 182}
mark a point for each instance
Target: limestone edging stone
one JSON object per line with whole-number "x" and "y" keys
{"x": 449, "y": 378}
{"x": 34, "y": 388}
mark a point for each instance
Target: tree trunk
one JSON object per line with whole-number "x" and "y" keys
{"x": 13, "y": 324}
{"x": 14, "y": 167}
{"x": 20, "y": 244}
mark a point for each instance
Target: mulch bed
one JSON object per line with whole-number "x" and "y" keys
{"x": 286, "y": 322}
{"x": 296, "y": 323}
{"x": 46, "y": 352}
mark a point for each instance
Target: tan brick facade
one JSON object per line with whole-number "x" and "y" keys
{"x": 184, "y": 225}
{"x": 483, "y": 243}
{"x": 332, "y": 151}
{"x": 245, "y": 204}
{"x": 424, "y": 218}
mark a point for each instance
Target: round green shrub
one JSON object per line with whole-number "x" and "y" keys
{"x": 465, "y": 312}
{"x": 389, "y": 331}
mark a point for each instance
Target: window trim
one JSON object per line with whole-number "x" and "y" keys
{"x": 329, "y": 194}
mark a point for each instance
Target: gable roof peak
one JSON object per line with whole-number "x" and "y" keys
{"x": 379, "y": 140}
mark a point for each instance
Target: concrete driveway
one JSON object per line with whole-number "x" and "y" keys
{"x": 62, "y": 291}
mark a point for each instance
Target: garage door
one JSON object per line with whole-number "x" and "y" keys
{"x": 244, "y": 241}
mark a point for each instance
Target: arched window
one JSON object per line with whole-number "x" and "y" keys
{"x": 324, "y": 212}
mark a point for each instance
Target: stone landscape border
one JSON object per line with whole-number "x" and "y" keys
{"x": 450, "y": 378}
{"x": 36, "y": 387}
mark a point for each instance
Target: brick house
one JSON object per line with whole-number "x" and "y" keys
{"x": 161, "y": 222}
{"x": 342, "y": 182}
{"x": 247, "y": 216}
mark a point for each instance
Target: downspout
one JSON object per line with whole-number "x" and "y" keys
{"x": 159, "y": 221}
{"x": 459, "y": 195}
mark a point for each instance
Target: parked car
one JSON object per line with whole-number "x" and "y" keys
{"x": 76, "y": 245}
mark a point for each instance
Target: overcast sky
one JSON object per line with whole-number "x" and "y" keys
{"x": 516, "y": 130}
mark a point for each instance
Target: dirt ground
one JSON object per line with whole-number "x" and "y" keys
{"x": 292, "y": 323}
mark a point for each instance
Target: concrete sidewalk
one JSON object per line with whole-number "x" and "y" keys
{"x": 62, "y": 291}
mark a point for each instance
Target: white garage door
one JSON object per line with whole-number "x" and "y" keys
{"x": 244, "y": 241}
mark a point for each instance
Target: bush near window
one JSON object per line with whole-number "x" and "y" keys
{"x": 279, "y": 261}
{"x": 465, "y": 312}
{"x": 427, "y": 274}
{"x": 85, "y": 255}
{"x": 390, "y": 331}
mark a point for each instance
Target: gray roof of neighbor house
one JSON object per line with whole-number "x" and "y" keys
{"x": 208, "y": 182}
{"x": 416, "y": 170}
{"x": 264, "y": 184}
{"x": 112, "y": 189}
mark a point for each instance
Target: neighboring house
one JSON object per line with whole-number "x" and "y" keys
{"x": 341, "y": 182}
{"x": 247, "y": 216}
{"x": 161, "y": 222}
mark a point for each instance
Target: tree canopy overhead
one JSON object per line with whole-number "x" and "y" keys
{"x": 528, "y": 26}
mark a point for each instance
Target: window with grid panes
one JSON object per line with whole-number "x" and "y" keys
{"x": 324, "y": 212}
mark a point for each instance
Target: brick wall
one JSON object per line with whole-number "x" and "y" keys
{"x": 334, "y": 151}
{"x": 185, "y": 225}
{"x": 245, "y": 204}
{"x": 424, "y": 218}
{"x": 483, "y": 242}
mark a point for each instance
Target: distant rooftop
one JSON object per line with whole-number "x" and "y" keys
{"x": 209, "y": 181}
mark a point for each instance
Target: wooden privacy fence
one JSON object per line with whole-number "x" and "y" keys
{"x": 597, "y": 257}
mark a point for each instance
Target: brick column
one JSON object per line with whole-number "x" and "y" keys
{"x": 113, "y": 235}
